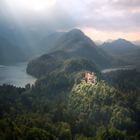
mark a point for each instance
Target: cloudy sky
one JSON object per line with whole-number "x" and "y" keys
{"x": 100, "y": 19}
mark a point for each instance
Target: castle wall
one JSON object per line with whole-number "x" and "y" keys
{"x": 90, "y": 78}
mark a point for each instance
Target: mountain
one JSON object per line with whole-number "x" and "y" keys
{"x": 68, "y": 52}
{"x": 28, "y": 44}
{"x": 64, "y": 40}
{"x": 10, "y": 53}
{"x": 47, "y": 43}
{"x": 19, "y": 43}
{"x": 119, "y": 46}
{"x": 77, "y": 45}
{"x": 123, "y": 50}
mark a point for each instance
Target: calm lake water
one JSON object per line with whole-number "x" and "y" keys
{"x": 15, "y": 75}
{"x": 129, "y": 67}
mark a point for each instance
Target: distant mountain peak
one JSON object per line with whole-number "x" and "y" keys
{"x": 122, "y": 49}
{"x": 121, "y": 40}
{"x": 75, "y": 32}
{"x": 119, "y": 43}
{"x": 124, "y": 43}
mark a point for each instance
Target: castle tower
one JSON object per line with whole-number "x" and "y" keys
{"x": 90, "y": 77}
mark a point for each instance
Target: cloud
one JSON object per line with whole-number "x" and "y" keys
{"x": 102, "y": 15}
{"x": 113, "y": 15}
{"x": 129, "y": 4}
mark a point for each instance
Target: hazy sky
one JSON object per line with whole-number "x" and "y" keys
{"x": 100, "y": 19}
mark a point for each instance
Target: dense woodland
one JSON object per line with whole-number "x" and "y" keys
{"x": 58, "y": 107}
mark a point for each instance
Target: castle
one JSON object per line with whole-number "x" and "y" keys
{"x": 90, "y": 77}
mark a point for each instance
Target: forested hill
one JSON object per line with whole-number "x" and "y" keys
{"x": 54, "y": 110}
{"x": 59, "y": 62}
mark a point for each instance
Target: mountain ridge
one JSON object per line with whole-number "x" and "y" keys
{"x": 124, "y": 50}
{"x": 77, "y": 45}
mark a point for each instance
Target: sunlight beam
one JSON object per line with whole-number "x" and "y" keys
{"x": 33, "y": 5}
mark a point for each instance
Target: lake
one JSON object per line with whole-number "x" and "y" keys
{"x": 129, "y": 67}
{"x": 15, "y": 75}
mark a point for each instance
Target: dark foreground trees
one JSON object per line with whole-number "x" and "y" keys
{"x": 61, "y": 110}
